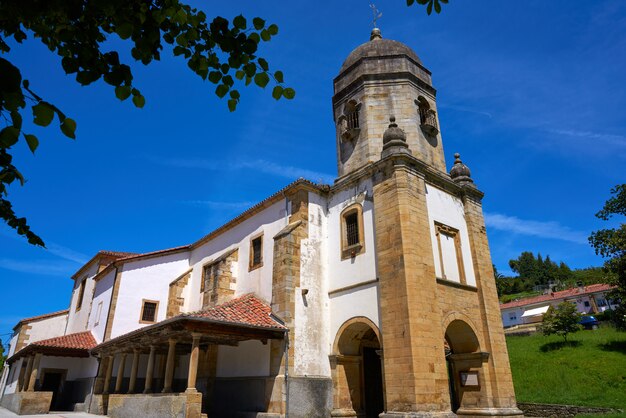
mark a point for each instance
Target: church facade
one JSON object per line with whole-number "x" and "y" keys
{"x": 370, "y": 297}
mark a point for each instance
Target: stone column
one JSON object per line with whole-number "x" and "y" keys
{"x": 149, "y": 371}
{"x": 169, "y": 367}
{"x": 107, "y": 375}
{"x": 33, "y": 374}
{"x": 29, "y": 369}
{"x": 98, "y": 385}
{"x": 133, "y": 372}
{"x": 20, "y": 379}
{"x": 193, "y": 363}
{"x": 120, "y": 373}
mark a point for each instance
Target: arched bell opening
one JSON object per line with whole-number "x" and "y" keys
{"x": 464, "y": 360}
{"x": 356, "y": 367}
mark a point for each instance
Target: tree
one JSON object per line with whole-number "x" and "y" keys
{"x": 2, "y": 356}
{"x": 611, "y": 245}
{"x": 220, "y": 51}
{"x": 562, "y": 320}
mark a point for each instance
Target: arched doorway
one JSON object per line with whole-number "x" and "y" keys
{"x": 357, "y": 370}
{"x": 464, "y": 362}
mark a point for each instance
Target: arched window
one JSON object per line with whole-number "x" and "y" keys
{"x": 352, "y": 241}
{"x": 349, "y": 121}
{"x": 428, "y": 117}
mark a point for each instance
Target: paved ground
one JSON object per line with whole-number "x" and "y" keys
{"x": 6, "y": 413}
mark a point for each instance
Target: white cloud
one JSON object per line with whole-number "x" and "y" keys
{"x": 608, "y": 139}
{"x": 43, "y": 267}
{"x": 67, "y": 253}
{"x": 542, "y": 229}
{"x": 259, "y": 165}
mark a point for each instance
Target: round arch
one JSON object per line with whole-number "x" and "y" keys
{"x": 352, "y": 331}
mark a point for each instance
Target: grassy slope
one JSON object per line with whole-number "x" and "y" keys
{"x": 592, "y": 373}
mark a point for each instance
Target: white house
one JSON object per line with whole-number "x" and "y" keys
{"x": 371, "y": 296}
{"x": 588, "y": 299}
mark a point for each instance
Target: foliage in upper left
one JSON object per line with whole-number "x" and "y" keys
{"x": 220, "y": 51}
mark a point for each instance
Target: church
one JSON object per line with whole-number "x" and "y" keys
{"x": 370, "y": 297}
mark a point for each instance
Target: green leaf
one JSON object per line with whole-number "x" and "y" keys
{"x": 16, "y": 118}
{"x": 139, "y": 100}
{"x": 240, "y": 22}
{"x": 263, "y": 64}
{"x": 277, "y": 92}
{"x": 429, "y": 8}
{"x": 234, "y": 94}
{"x": 32, "y": 142}
{"x": 258, "y": 23}
{"x": 125, "y": 30}
{"x": 239, "y": 75}
{"x": 9, "y": 136}
{"x": 232, "y": 105}
{"x": 278, "y": 75}
{"x": 215, "y": 77}
{"x": 122, "y": 92}
{"x": 221, "y": 90}
{"x": 261, "y": 79}
{"x": 68, "y": 127}
{"x": 265, "y": 35}
{"x": 437, "y": 6}
{"x": 289, "y": 93}
{"x": 43, "y": 113}
{"x": 273, "y": 30}
{"x": 409, "y": 2}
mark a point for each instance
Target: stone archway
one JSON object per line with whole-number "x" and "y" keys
{"x": 464, "y": 360}
{"x": 356, "y": 369}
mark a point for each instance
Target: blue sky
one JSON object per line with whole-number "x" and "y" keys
{"x": 530, "y": 93}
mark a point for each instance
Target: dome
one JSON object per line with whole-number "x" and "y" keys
{"x": 459, "y": 171}
{"x": 378, "y": 47}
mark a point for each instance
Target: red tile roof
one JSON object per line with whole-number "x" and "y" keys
{"x": 245, "y": 310}
{"x": 563, "y": 294}
{"x": 40, "y": 317}
{"x": 80, "y": 341}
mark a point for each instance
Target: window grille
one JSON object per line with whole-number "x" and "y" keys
{"x": 149, "y": 312}
{"x": 352, "y": 229}
{"x": 257, "y": 253}
{"x": 353, "y": 119}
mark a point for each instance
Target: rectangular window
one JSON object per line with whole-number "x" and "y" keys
{"x": 352, "y": 229}
{"x": 601, "y": 302}
{"x": 256, "y": 252}
{"x": 512, "y": 317}
{"x": 149, "y": 311}
{"x": 98, "y": 313}
{"x": 352, "y": 241}
{"x": 587, "y": 304}
{"x": 81, "y": 294}
{"x": 450, "y": 256}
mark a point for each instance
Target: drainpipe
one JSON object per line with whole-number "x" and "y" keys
{"x": 287, "y": 376}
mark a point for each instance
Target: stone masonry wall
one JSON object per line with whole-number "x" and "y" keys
{"x": 175, "y": 299}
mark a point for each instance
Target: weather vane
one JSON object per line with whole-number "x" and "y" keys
{"x": 377, "y": 14}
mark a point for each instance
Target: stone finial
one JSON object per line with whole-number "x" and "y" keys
{"x": 375, "y": 34}
{"x": 394, "y": 139}
{"x": 459, "y": 171}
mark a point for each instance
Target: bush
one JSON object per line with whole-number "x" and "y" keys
{"x": 561, "y": 320}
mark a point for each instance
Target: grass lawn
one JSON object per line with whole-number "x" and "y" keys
{"x": 589, "y": 371}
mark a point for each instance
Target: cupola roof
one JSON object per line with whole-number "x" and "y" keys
{"x": 379, "y": 47}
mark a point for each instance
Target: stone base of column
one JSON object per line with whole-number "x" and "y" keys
{"x": 343, "y": 413}
{"x": 489, "y": 412}
{"x": 419, "y": 414}
{"x": 191, "y": 390}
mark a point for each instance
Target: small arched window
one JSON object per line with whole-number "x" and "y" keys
{"x": 428, "y": 117}
{"x": 349, "y": 121}
{"x": 352, "y": 237}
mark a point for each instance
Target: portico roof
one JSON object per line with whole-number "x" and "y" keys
{"x": 70, "y": 345}
{"x": 244, "y": 318}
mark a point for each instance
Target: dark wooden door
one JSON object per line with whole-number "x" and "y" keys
{"x": 373, "y": 383}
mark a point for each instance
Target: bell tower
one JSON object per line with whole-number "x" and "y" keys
{"x": 381, "y": 79}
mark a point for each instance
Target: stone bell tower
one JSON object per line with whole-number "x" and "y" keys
{"x": 379, "y": 79}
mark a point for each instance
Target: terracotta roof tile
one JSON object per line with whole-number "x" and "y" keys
{"x": 80, "y": 340}
{"x": 246, "y": 310}
{"x": 563, "y": 294}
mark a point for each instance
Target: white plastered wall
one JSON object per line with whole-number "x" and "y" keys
{"x": 248, "y": 359}
{"x": 44, "y": 329}
{"x": 357, "y": 302}
{"x": 77, "y": 320}
{"x": 12, "y": 377}
{"x": 145, "y": 279}
{"x": 77, "y": 368}
{"x": 448, "y": 210}
{"x": 312, "y": 308}
{"x": 100, "y": 306}
{"x": 361, "y": 268}
{"x": 267, "y": 222}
